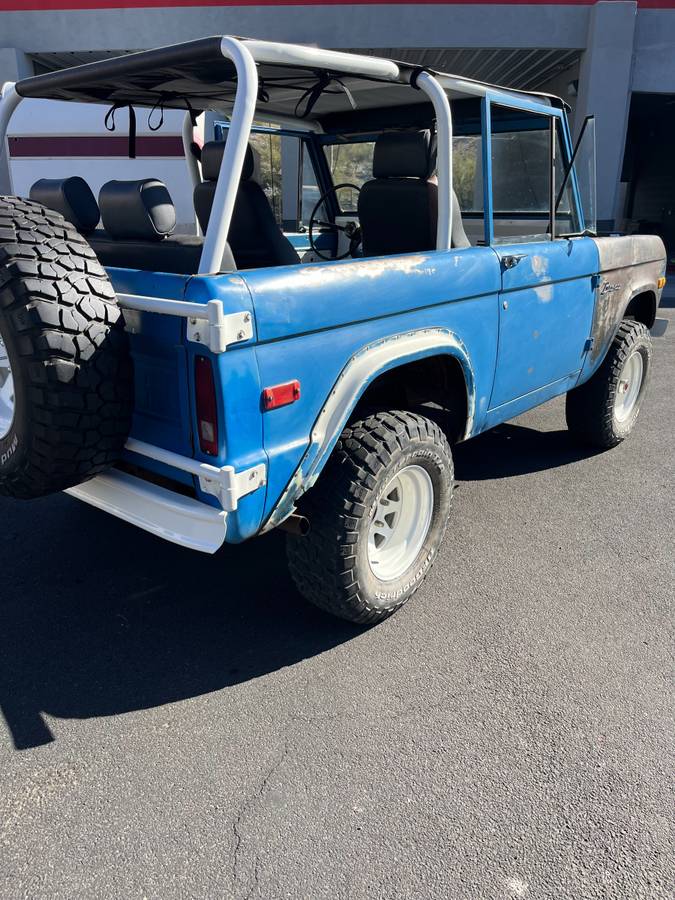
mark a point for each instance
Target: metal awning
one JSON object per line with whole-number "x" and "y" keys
{"x": 521, "y": 68}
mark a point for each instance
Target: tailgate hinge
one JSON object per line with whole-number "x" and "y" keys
{"x": 229, "y": 486}
{"x": 217, "y": 331}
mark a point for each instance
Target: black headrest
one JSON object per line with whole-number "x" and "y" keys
{"x": 212, "y": 157}
{"x": 137, "y": 210}
{"x": 72, "y": 197}
{"x": 400, "y": 154}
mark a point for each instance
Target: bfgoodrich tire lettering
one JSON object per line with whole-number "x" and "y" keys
{"x": 331, "y": 564}
{"x": 64, "y": 336}
{"x": 591, "y": 409}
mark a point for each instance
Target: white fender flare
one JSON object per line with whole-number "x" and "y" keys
{"x": 362, "y": 369}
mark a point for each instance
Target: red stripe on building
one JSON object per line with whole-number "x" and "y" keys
{"x": 93, "y": 145}
{"x": 63, "y": 5}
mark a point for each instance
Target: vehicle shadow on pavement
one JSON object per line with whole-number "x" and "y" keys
{"x": 509, "y": 450}
{"x": 100, "y": 619}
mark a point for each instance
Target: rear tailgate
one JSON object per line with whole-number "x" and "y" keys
{"x": 162, "y": 415}
{"x": 168, "y": 482}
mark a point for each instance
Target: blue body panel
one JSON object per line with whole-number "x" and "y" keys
{"x": 311, "y": 320}
{"x": 519, "y": 333}
{"x": 545, "y": 316}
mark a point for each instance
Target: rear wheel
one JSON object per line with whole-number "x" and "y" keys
{"x": 377, "y": 517}
{"x": 65, "y": 371}
{"x": 603, "y": 411}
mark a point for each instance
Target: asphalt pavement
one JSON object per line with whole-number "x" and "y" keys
{"x": 178, "y": 726}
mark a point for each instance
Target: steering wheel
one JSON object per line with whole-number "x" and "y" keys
{"x": 351, "y": 229}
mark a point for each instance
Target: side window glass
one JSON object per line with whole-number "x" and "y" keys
{"x": 467, "y": 172}
{"x": 521, "y": 175}
{"x": 579, "y": 183}
{"x": 566, "y": 217}
{"x": 310, "y": 188}
{"x": 284, "y": 171}
{"x": 352, "y": 163}
{"x": 585, "y": 173}
{"x": 267, "y": 147}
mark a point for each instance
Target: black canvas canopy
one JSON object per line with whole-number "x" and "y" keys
{"x": 193, "y": 69}
{"x": 196, "y": 76}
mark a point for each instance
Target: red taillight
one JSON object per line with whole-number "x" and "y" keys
{"x": 207, "y": 408}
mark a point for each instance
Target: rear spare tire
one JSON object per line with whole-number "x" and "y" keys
{"x": 65, "y": 370}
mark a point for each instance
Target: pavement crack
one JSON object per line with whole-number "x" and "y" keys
{"x": 245, "y": 807}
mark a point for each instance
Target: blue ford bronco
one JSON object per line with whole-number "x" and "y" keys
{"x": 437, "y": 273}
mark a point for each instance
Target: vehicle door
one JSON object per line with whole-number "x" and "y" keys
{"x": 547, "y": 297}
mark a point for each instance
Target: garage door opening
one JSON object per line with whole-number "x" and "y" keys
{"x": 648, "y": 168}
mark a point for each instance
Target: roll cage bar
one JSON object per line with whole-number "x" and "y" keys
{"x": 245, "y": 56}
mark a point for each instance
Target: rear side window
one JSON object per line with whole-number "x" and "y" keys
{"x": 467, "y": 172}
{"x": 268, "y": 148}
{"x": 350, "y": 163}
{"x": 310, "y": 191}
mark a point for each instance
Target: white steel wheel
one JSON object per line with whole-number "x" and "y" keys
{"x": 400, "y": 523}
{"x": 377, "y": 517}
{"x": 628, "y": 387}
{"x": 6, "y": 392}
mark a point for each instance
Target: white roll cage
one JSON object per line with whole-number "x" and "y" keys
{"x": 245, "y": 55}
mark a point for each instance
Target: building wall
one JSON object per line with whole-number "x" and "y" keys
{"x": 627, "y": 45}
{"x": 345, "y": 25}
{"x": 654, "y": 70}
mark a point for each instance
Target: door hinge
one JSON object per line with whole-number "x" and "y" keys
{"x": 217, "y": 330}
{"x": 595, "y": 281}
{"x": 589, "y": 344}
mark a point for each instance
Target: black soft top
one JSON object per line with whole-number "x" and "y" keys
{"x": 195, "y": 76}
{"x": 194, "y": 69}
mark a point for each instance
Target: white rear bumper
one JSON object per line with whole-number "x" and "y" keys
{"x": 169, "y": 515}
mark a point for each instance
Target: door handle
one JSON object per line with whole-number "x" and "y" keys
{"x": 512, "y": 260}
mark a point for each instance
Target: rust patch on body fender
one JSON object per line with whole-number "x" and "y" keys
{"x": 629, "y": 265}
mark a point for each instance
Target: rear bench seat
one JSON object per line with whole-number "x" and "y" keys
{"x": 138, "y": 220}
{"x": 72, "y": 197}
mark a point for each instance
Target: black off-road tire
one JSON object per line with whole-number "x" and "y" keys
{"x": 330, "y": 564}
{"x": 590, "y": 409}
{"x": 68, "y": 352}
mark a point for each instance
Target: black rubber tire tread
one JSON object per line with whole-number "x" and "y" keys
{"x": 589, "y": 409}
{"x": 69, "y": 353}
{"x": 322, "y": 563}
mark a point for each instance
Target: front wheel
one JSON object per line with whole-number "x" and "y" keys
{"x": 604, "y": 410}
{"x": 377, "y": 517}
